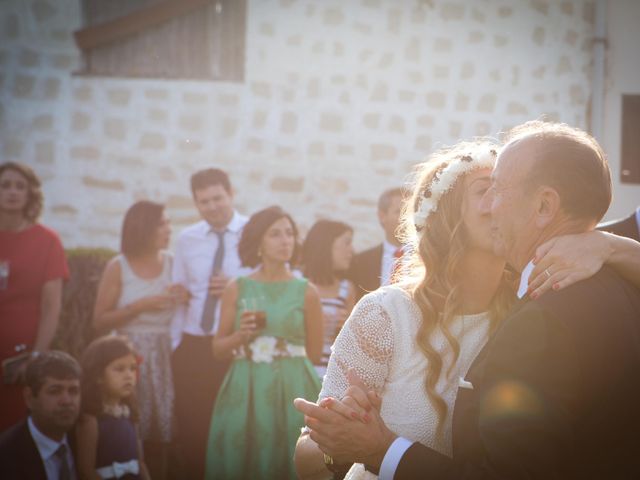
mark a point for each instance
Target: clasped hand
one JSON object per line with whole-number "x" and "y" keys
{"x": 349, "y": 429}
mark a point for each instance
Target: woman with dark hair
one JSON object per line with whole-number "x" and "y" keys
{"x": 254, "y": 425}
{"x": 32, "y": 270}
{"x": 326, "y": 256}
{"x": 136, "y": 298}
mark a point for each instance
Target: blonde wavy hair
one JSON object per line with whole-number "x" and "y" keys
{"x": 431, "y": 273}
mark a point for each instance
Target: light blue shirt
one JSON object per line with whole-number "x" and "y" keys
{"x": 47, "y": 447}
{"x": 392, "y": 458}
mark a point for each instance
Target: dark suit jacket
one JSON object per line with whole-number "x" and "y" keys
{"x": 556, "y": 393}
{"x": 627, "y": 227}
{"x": 365, "y": 270}
{"x": 19, "y": 456}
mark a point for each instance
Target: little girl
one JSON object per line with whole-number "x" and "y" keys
{"x": 107, "y": 437}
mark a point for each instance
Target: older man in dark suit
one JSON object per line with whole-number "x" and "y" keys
{"x": 555, "y": 392}
{"x": 38, "y": 448}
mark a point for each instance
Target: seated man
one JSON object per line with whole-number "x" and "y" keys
{"x": 38, "y": 448}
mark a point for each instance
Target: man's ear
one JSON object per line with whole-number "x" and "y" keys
{"x": 28, "y": 396}
{"x": 547, "y": 206}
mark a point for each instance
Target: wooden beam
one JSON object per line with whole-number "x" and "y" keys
{"x": 107, "y": 32}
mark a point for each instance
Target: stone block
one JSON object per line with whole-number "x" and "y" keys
{"x": 179, "y": 202}
{"x": 158, "y": 115}
{"x": 45, "y": 152}
{"x": 153, "y": 141}
{"x": 396, "y": 124}
{"x": 156, "y": 94}
{"x": 195, "y": 98}
{"x": 426, "y": 121}
{"x": 284, "y": 152}
{"x": 382, "y": 152}
{"x": 191, "y": 123}
{"x": 167, "y": 174}
{"x": 91, "y": 181}
{"x": 330, "y": 122}
{"x": 289, "y": 123}
{"x": 363, "y": 28}
{"x": 540, "y": 72}
{"x": 462, "y": 102}
{"x": 467, "y": 70}
{"x": 500, "y": 41}
{"x": 452, "y": 11}
{"x": 379, "y": 93}
{"x": 563, "y": 66}
{"x": 344, "y": 98}
{"x": 442, "y": 45}
{"x": 333, "y": 16}
{"x": 346, "y": 150}
{"x": 287, "y": 184}
{"x": 261, "y": 89}
{"x": 412, "y": 50}
{"x": 517, "y": 108}
{"x": 441, "y": 72}
{"x": 189, "y": 145}
{"x": 254, "y": 145}
{"x": 423, "y": 143}
{"x": 478, "y": 15}
{"x": 43, "y": 10}
{"x": 495, "y": 75}
{"x": 455, "y": 129}
{"x": 266, "y": 29}
{"x": 475, "y": 37}
{"x": 228, "y": 100}
{"x": 11, "y": 29}
{"x": 571, "y": 38}
{"x": 229, "y": 127}
{"x": 294, "y": 40}
{"x": 487, "y": 103}
{"x": 85, "y": 152}
{"x": 82, "y": 93}
{"x": 338, "y": 49}
{"x": 316, "y": 148}
{"x": 317, "y": 48}
{"x": 394, "y": 20}
{"x": 538, "y": 36}
{"x": 371, "y": 120}
{"x": 313, "y": 88}
{"x": 29, "y": 58}
{"x": 62, "y": 61}
{"x": 43, "y": 122}
{"x": 406, "y": 96}
{"x": 541, "y": 6}
{"x": 114, "y": 128}
{"x": 483, "y": 128}
{"x": 64, "y": 209}
{"x": 23, "y": 85}
{"x": 51, "y": 88}
{"x": 80, "y": 121}
{"x": 436, "y": 100}
{"x": 577, "y": 95}
{"x": 119, "y": 96}
{"x": 12, "y": 147}
{"x": 505, "y": 12}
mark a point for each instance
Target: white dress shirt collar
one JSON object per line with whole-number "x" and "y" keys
{"x": 47, "y": 448}
{"x": 524, "y": 279}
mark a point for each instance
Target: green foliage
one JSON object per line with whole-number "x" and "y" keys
{"x": 78, "y": 298}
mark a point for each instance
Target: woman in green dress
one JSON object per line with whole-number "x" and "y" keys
{"x": 254, "y": 426}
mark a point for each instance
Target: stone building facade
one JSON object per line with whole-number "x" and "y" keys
{"x": 339, "y": 100}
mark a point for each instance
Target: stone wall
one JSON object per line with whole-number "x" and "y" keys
{"x": 340, "y": 99}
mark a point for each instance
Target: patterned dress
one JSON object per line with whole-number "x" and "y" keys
{"x": 150, "y": 335}
{"x": 254, "y": 426}
{"x": 330, "y": 306}
{"x": 379, "y": 342}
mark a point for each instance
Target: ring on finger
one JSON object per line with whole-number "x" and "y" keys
{"x": 547, "y": 273}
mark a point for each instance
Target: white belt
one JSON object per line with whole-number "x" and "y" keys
{"x": 266, "y": 349}
{"x": 117, "y": 469}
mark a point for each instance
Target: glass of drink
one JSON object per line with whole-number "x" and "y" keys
{"x": 255, "y": 305}
{"x": 4, "y": 274}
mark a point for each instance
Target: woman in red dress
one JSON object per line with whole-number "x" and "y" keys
{"x": 32, "y": 269}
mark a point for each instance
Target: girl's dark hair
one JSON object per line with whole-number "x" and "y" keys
{"x": 139, "y": 227}
{"x": 317, "y": 250}
{"x": 100, "y": 353}
{"x": 253, "y": 233}
{"x": 35, "y": 199}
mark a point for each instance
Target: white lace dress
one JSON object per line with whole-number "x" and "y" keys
{"x": 378, "y": 341}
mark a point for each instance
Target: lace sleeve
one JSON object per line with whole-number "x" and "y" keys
{"x": 365, "y": 344}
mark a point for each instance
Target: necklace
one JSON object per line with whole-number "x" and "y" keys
{"x": 118, "y": 410}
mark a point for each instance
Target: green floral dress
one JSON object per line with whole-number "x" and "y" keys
{"x": 254, "y": 426}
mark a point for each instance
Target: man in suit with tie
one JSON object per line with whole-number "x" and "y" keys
{"x": 205, "y": 260}
{"x": 627, "y": 227}
{"x": 555, "y": 391}
{"x": 374, "y": 267}
{"x": 38, "y": 447}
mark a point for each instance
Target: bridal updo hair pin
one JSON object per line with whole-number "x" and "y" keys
{"x": 446, "y": 177}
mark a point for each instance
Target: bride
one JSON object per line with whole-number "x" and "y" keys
{"x": 414, "y": 341}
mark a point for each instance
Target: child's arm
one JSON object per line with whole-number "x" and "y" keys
{"x": 87, "y": 443}
{"x": 144, "y": 472}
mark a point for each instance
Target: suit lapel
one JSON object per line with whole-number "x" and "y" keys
{"x": 32, "y": 464}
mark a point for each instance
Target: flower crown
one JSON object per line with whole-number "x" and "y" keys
{"x": 445, "y": 178}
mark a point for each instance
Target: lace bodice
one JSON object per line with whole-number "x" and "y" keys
{"x": 379, "y": 342}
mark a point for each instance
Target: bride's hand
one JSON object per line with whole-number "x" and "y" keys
{"x": 565, "y": 260}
